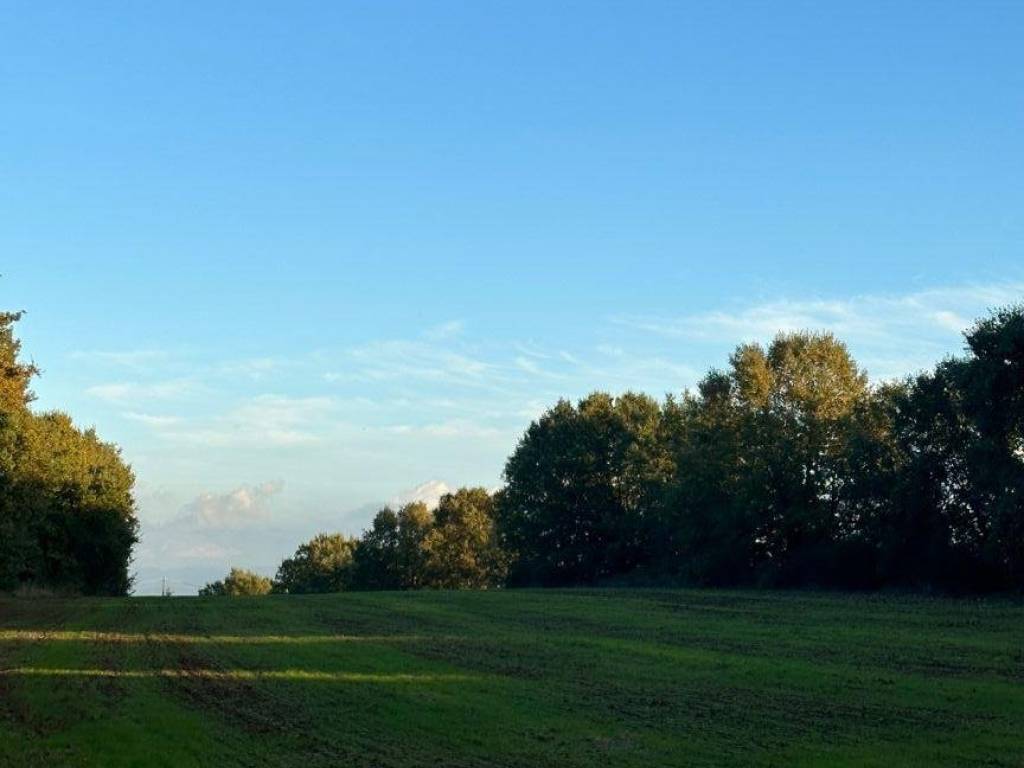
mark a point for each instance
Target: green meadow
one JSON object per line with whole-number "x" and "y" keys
{"x": 513, "y": 678}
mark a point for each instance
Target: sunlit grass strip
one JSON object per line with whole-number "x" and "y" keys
{"x": 298, "y": 675}
{"x": 29, "y": 635}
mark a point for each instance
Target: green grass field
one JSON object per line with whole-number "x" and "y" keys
{"x": 525, "y": 678}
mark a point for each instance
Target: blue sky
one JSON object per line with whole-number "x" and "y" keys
{"x": 301, "y": 258}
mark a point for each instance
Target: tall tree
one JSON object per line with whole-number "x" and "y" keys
{"x": 462, "y": 547}
{"x": 67, "y": 513}
{"x": 415, "y": 522}
{"x": 992, "y": 385}
{"x": 390, "y": 555}
{"x": 579, "y": 487}
{"x": 706, "y": 533}
{"x": 762, "y": 482}
{"x": 325, "y": 563}
{"x": 797, "y": 400}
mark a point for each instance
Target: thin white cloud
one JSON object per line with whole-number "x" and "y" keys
{"x": 454, "y": 428}
{"x": 135, "y": 358}
{"x": 533, "y": 409}
{"x": 882, "y": 316}
{"x": 203, "y": 550}
{"x": 269, "y": 420}
{"x": 402, "y": 360}
{"x": 615, "y": 368}
{"x": 896, "y": 334}
{"x": 950, "y": 320}
{"x": 282, "y": 411}
{"x": 531, "y": 349}
{"x": 152, "y": 420}
{"x": 253, "y": 368}
{"x": 533, "y": 368}
{"x": 444, "y": 331}
{"x": 135, "y": 392}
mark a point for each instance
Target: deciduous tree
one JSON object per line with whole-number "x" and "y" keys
{"x": 462, "y": 549}
{"x": 323, "y": 564}
{"x": 238, "y": 583}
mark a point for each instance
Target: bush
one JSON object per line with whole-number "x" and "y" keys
{"x": 238, "y": 583}
{"x": 323, "y": 564}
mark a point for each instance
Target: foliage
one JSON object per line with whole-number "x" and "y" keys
{"x": 15, "y": 375}
{"x": 67, "y": 513}
{"x": 323, "y": 564}
{"x": 955, "y": 517}
{"x": 413, "y": 548}
{"x": 462, "y": 550}
{"x": 238, "y": 583}
{"x": 763, "y": 451}
{"x": 579, "y": 487}
{"x": 787, "y": 469}
{"x": 391, "y": 555}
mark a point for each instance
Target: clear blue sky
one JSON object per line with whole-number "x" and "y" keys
{"x": 298, "y": 257}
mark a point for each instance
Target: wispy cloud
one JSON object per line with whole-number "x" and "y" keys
{"x": 444, "y": 331}
{"x": 403, "y": 360}
{"x": 531, "y": 366}
{"x": 253, "y": 368}
{"x": 135, "y": 392}
{"x": 943, "y": 309}
{"x": 899, "y": 333}
{"x": 204, "y": 550}
{"x": 139, "y": 359}
{"x": 152, "y": 420}
{"x": 264, "y": 420}
{"x": 619, "y": 366}
{"x": 462, "y": 428}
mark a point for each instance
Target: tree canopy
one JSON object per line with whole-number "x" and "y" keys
{"x": 579, "y": 488}
{"x": 238, "y": 583}
{"x": 787, "y": 468}
{"x": 462, "y": 549}
{"x": 323, "y": 564}
{"x": 67, "y": 513}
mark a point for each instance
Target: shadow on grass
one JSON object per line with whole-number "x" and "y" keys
{"x": 32, "y": 636}
{"x": 243, "y": 674}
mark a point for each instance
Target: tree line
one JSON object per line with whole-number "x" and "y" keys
{"x": 453, "y": 547}
{"x": 67, "y": 514}
{"x": 785, "y": 469}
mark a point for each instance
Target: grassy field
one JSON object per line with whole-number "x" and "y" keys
{"x": 525, "y": 678}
